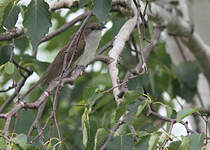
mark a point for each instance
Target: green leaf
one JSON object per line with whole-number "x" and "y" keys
{"x": 131, "y": 112}
{"x": 38, "y": 66}
{"x": 24, "y": 122}
{"x": 5, "y": 54}
{"x": 174, "y": 2}
{"x": 118, "y": 22}
{"x": 129, "y": 98}
{"x": 185, "y": 144}
{"x": 153, "y": 141}
{"x": 11, "y": 16}
{"x": 122, "y": 130}
{"x": 9, "y": 68}
{"x": 101, "y": 9}
{"x": 174, "y": 145}
{"x": 2, "y": 66}
{"x": 160, "y": 56}
{"x": 120, "y": 110}
{"x": 174, "y": 114}
{"x": 121, "y": 143}
{"x": 21, "y": 139}
{"x": 89, "y": 129}
{"x": 196, "y": 141}
{"x": 82, "y": 3}
{"x": 187, "y": 72}
{"x": 160, "y": 75}
{"x": 37, "y": 20}
{"x": 95, "y": 96}
{"x": 181, "y": 89}
{"x": 64, "y": 146}
{"x": 54, "y": 43}
{"x": 22, "y": 43}
{"x": 141, "y": 134}
{"x": 185, "y": 112}
{"x": 151, "y": 27}
{"x": 4, "y": 3}
{"x": 92, "y": 129}
{"x": 99, "y": 138}
{"x": 141, "y": 107}
{"x": 2, "y": 142}
{"x": 188, "y": 93}
{"x": 143, "y": 143}
{"x": 3, "y": 6}
{"x": 85, "y": 119}
{"x": 101, "y": 79}
{"x": 135, "y": 84}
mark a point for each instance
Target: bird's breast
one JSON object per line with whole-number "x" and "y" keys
{"x": 92, "y": 42}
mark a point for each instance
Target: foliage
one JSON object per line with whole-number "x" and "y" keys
{"x": 84, "y": 113}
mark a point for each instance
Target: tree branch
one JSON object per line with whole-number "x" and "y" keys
{"x": 10, "y": 34}
{"x": 118, "y": 46}
{"x": 63, "y": 4}
{"x": 63, "y": 28}
{"x": 17, "y": 90}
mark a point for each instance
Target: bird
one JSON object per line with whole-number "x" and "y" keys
{"x": 87, "y": 45}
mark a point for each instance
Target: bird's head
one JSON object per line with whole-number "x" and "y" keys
{"x": 93, "y": 30}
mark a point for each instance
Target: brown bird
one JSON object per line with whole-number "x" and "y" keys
{"x": 86, "y": 50}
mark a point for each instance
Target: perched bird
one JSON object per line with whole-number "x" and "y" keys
{"x": 87, "y": 45}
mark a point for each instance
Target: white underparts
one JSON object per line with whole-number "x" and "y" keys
{"x": 92, "y": 42}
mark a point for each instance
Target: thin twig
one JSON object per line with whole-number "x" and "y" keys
{"x": 105, "y": 47}
{"x": 147, "y": 50}
{"x": 35, "y": 123}
{"x": 133, "y": 131}
{"x": 9, "y": 88}
{"x": 43, "y": 128}
{"x": 56, "y": 125}
{"x": 185, "y": 124}
{"x": 51, "y": 129}
{"x": 180, "y": 48}
{"x": 11, "y": 60}
{"x": 206, "y": 131}
{"x": 167, "y": 139}
{"x": 11, "y": 34}
{"x": 12, "y": 51}
{"x": 63, "y": 28}
{"x": 6, "y": 126}
{"x": 145, "y": 8}
{"x": 21, "y": 67}
{"x": 139, "y": 35}
{"x": 105, "y": 59}
{"x": 151, "y": 112}
{"x": 143, "y": 20}
{"x": 20, "y": 84}
{"x": 42, "y": 135}
{"x": 135, "y": 47}
{"x": 124, "y": 82}
{"x": 16, "y": 120}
